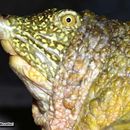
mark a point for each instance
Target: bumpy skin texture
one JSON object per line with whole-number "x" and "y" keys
{"x": 76, "y": 65}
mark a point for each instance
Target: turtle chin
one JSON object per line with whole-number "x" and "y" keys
{"x": 26, "y": 71}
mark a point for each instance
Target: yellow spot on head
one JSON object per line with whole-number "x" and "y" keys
{"x": 52, "y": 45}
{"x": 60, "y": 47}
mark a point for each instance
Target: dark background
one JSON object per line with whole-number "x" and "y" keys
{"x": 15, "y": 100}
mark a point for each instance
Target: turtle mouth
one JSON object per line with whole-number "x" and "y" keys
{"x": 21, "y": 67}
{"x": 26, "y": 71}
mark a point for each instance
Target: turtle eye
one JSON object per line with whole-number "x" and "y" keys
{"x": 68, "y": 20}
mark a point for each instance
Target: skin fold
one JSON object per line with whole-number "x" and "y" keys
{"x": 75, "y": 65}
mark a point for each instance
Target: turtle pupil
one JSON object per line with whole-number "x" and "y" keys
{"x": 68, "y": 20}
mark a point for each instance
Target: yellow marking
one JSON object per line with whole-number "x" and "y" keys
{"x": 28, "y": 57}
{"x": 35, "y": 34}
{"x": 52, "y": 44}
{"x": 65, "y": 39}
{"x": 16, "y": 45}
{"x": 62, "y": 35}
{"x": 41, "y": 17}
{"x": 48, "y": 56}
{"x": 60, "y": 47}
{"x": 37, "y": 61}
{"x": 72, "y": 33}
{"x": 54, "y": 58}
{"x": 28, "y": 26}
{"x": 59, "y": 31}
{"x": 43, "y": 40}
{"x": 37, "y": 37}
{"x": 23, "y": 53}
{"x": 19, "y": 27}
{"x": 55, "y": 29}
{"x": 50, "y": 18}
{"x": 32, "y": 57}
{"x": 51, "y": 27}
{"x": 23, "y": 45}
{"x": 27, "y": 45}
{"x": 35, "y": 27}
{"x": 43, "y": 24}
{"x": 46, "y": 20}
{"x": 17, "y": 50}
{"x": 27, "y": 23}
{"x": 43, "y": 32}
{"x": 34, "y": 45}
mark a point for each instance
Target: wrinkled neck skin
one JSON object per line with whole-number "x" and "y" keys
{"x": 86, "y": 57}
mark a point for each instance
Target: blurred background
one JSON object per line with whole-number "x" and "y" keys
{"x": 15, "y": 100}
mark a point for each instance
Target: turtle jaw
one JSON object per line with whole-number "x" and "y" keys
{"x": 20, "y": 66}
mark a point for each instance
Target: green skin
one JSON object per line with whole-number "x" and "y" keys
{"x": 83, "y": 61}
